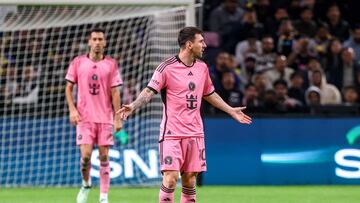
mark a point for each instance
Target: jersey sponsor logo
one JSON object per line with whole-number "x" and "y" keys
{"x": 191, "y": 101}
{"x": 168, "y": 132}
{"x": 168, "y": 160}
{"x": 94, "y": 89}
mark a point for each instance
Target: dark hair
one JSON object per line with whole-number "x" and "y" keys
{"x": 188, "y": 34}
{"x": 96, "y": 30}
{"x": 280, "y": 82}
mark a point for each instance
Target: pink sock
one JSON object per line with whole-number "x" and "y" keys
{"x": 85, "y": 167}
{"x": 104, "y": 177}
{"x": 166, "y": 195}
{"x": 188, "y": 195}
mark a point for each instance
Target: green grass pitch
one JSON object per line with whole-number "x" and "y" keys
{"x": 207, "y": 194}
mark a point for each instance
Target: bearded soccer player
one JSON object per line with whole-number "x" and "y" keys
{"x": 183, "y": 80}
{"x": 98, "y": 79}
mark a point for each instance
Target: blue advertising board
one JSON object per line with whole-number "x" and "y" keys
{"x": 283, "y": 151}
{"x": 270, "y": 151}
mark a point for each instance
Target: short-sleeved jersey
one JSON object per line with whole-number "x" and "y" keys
{"x": 94, "y": 82}
{"x": 182, "y": 88}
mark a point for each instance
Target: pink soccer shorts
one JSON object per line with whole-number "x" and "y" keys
{"x": 94, "y": 133}
{"x": 183, "y": 154}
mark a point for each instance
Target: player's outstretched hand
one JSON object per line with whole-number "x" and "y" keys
{"x": 125, "y": 111}
{"x": 238, "y": 115}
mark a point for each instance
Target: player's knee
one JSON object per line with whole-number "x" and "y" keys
{"x": 104, "y": 158}
{"x": 86, "y": 159}
{"x": 188, "y": 180}
{"x": 170, "y": 181}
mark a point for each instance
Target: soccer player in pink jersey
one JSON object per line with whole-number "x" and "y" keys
{"x": 183, "y": 80}
{"x": 98, "y": 79}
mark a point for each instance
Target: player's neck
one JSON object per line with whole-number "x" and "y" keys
{"x": 186, "y": 58}
{"x": 96, "y": 56}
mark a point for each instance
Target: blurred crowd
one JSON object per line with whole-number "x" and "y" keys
{"x": 283, "y": 56}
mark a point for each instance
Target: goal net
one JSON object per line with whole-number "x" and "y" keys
{"x": 37, "y": 42}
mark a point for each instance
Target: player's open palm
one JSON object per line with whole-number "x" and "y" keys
{"x": 238, "y": 114}
{"x": 125, "y": 111}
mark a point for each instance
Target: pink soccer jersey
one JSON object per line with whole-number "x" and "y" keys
{"x": 182, "y": 88}
{"x": 94, "y": 82}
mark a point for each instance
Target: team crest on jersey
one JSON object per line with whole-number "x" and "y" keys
{"x": 94, "y": 77}
{"x": 191, "y": 86}
{"x": 168, "y": 160}
{"x": 79, "y": 136}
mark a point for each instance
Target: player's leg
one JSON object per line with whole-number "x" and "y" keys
{"x": 170, "y": 163}
{"x": 104, "y": 141}
{"x": 85, "y": 166}
{"x": 188, "y": 191}
{"x": 194, "y": 162}
{"x": 104, "y": 173}
{"x": 166, "y": 194}
{"x": 85, "y": 139}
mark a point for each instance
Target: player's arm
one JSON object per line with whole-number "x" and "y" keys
{"x": 116, "y": 102}
{"x": 74, "y": 115}
{"x": 235, "y": 112}
{"x": 143, "y": 98}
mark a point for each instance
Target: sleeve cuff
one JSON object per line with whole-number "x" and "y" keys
{"x": 209, "y": 93}
{"x": 70, "y": 81}
{"x": 152, "y": 89}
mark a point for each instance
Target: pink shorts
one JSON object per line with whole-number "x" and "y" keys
{"x": 94, "y": 133}
{"x": 184, "y": 155}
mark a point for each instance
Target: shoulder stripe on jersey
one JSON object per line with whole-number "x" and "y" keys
{"x": 166, "y": 63}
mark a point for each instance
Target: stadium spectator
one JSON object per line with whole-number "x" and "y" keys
{"x": 329, "y": 93}
{"x": 222, "y": 17}
{"x": 217, "y": 69}
{"x": 261, "y": 84}
{"x": 249, "y": 46}
{"x": 248, "y": 69}
{"x": 286, "y": 103}
{"x": 354, "y": 42}
{"x": 280, "y": 71}
{"x": 296, "y": 89}
{"x": 332, "y": 61}
{"x": 250, "y": 99}
{"x": 29, "y": 86}
{"x": 263, "y": 10}
{"x": 322, "y": 40}
{"x": 345, "y": 74}
{"x": 304, "y": 49}
{"x": 272, "y": 24}
{"x": 313, "y": 96}
{"x": 266, "y": 59}
{"x": 286, "y": 37}
{"x": 306, "y": 26}
{"x": 338, "y": 27}
{"x": 229, "y": 92}
{"x": 350, "y": 96}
